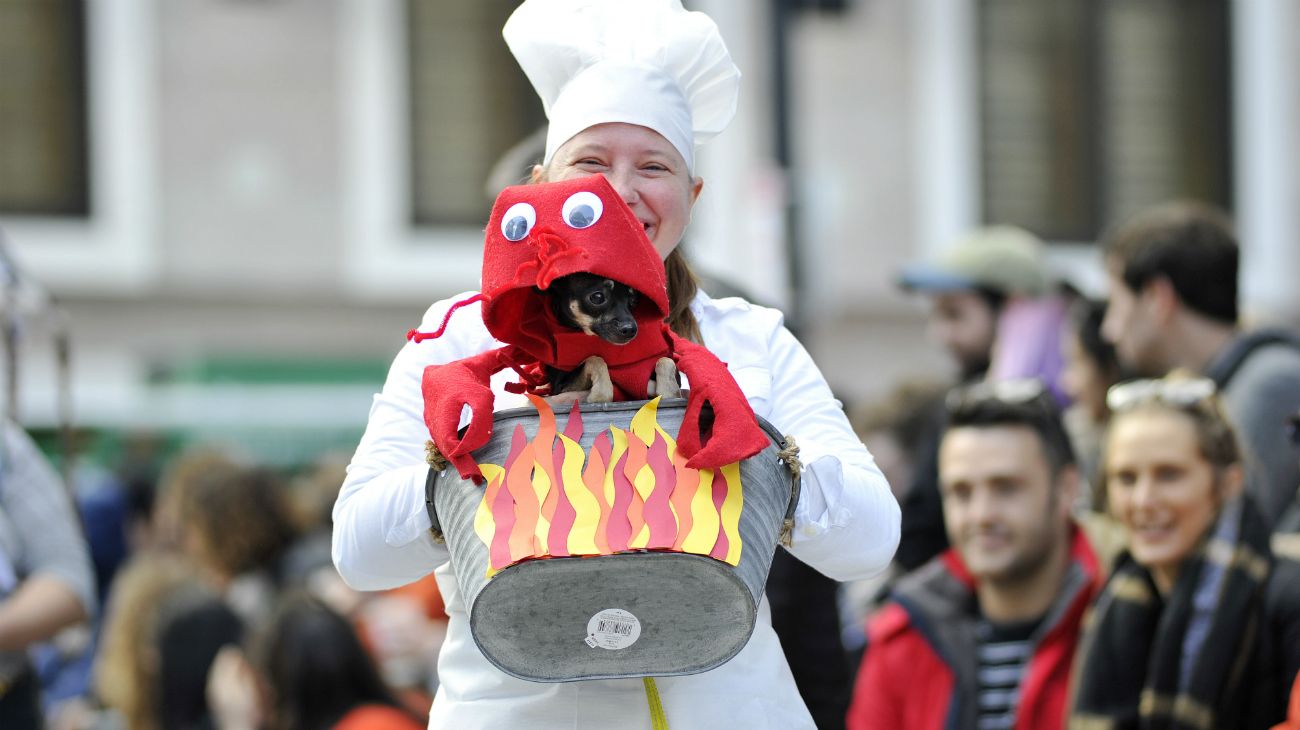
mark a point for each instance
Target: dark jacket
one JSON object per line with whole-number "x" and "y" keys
{"x": 1276, "y": 663}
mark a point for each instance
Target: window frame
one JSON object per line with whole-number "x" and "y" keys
{"x": 947, "y": 106}
{"x": 112, "y": 250}
{"x": 387, "y": 257}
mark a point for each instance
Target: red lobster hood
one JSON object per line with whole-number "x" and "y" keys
{"x": 538, "y": 233}
{"x": 541, "y": 232}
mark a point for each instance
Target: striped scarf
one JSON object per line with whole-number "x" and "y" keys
{"x": 1178, "y": 662}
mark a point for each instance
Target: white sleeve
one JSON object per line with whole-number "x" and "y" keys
{"x": 381, "y": 527}
{"x": 847, "y": 520}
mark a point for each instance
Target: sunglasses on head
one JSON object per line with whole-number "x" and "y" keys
{"x": 1016, "y": 391}
{"x": 1180, "y": 393}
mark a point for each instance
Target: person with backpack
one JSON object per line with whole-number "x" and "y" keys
{"x": 1173, "y": 304}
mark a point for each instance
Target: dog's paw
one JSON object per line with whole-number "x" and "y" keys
{"x": 601, "y": 393}
{"x": 596, "y": 372}
{"x": 665, "y": 382}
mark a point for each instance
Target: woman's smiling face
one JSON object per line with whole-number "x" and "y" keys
{"x": 646, "y": 170}
{"x": 1162, "y": 488}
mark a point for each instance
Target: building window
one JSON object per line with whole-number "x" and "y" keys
{"x": 470, "y": 105}
{"x": 44, "y": 155}
{"x": 1093, "y": 109}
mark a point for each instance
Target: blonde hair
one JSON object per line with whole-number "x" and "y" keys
{"x": 1215, "y": 435}
{"x": 127, "y": 673}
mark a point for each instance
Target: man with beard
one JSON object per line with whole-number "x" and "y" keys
{"x": 988, "y": 276}
{"x": 1173, "y": 304}
{"x": 983, "y": 635}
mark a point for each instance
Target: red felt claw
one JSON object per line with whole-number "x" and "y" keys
{"x": 447, "y": 390}
{"x": 735, "y": 434}
{"x": 689, "y": 438}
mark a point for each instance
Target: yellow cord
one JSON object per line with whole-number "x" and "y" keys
{"x": 658, "y": 721}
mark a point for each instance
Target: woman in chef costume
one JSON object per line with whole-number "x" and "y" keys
{"x": 630, "y": 88}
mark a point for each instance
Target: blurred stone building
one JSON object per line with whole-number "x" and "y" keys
{"x": 242, "y": 205}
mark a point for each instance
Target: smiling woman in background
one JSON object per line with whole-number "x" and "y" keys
{"x": 1199, "y": 624}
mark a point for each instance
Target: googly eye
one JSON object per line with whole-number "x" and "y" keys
{"x": 582, "y": 210}
{"x": 518, "y": 221}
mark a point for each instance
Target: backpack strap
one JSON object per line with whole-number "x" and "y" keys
{"x": 1226, "y": 366}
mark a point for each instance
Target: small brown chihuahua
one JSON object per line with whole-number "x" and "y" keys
{"x": 600, "y": 307}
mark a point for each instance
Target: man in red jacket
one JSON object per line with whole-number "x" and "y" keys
{"x": 983, "y": 636}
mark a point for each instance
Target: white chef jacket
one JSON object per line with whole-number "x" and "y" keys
{"x": 846, "y": 526}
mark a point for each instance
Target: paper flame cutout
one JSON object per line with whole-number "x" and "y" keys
{"x": 631, "y": 492}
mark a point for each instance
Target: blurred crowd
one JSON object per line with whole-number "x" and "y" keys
{"x": 1099, "y": 516}
{"x": 203, "y": 598}
{"x": 1099, "y": 529}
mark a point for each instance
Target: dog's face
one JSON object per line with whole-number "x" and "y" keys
{"x": 596, "y": 305}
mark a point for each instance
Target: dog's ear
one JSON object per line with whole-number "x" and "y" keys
{"x": 563, "y": 286}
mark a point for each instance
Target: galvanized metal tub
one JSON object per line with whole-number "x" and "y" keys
{"x": 639, "y": 612}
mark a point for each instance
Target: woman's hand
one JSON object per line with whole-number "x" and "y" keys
{"x": 232, "y": 692}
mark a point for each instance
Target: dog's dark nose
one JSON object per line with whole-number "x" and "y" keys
{"x": 627, "y": 329}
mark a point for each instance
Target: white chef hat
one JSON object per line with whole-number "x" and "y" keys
{"x": 644, "y": 62}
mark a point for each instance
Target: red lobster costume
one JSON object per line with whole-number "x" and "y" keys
{"x": 537, "y": 234}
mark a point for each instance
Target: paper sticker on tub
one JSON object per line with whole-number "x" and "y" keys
{"x": 613, "y": 629}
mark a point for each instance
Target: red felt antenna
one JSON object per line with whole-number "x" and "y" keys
{"x": 418, "y": 337}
